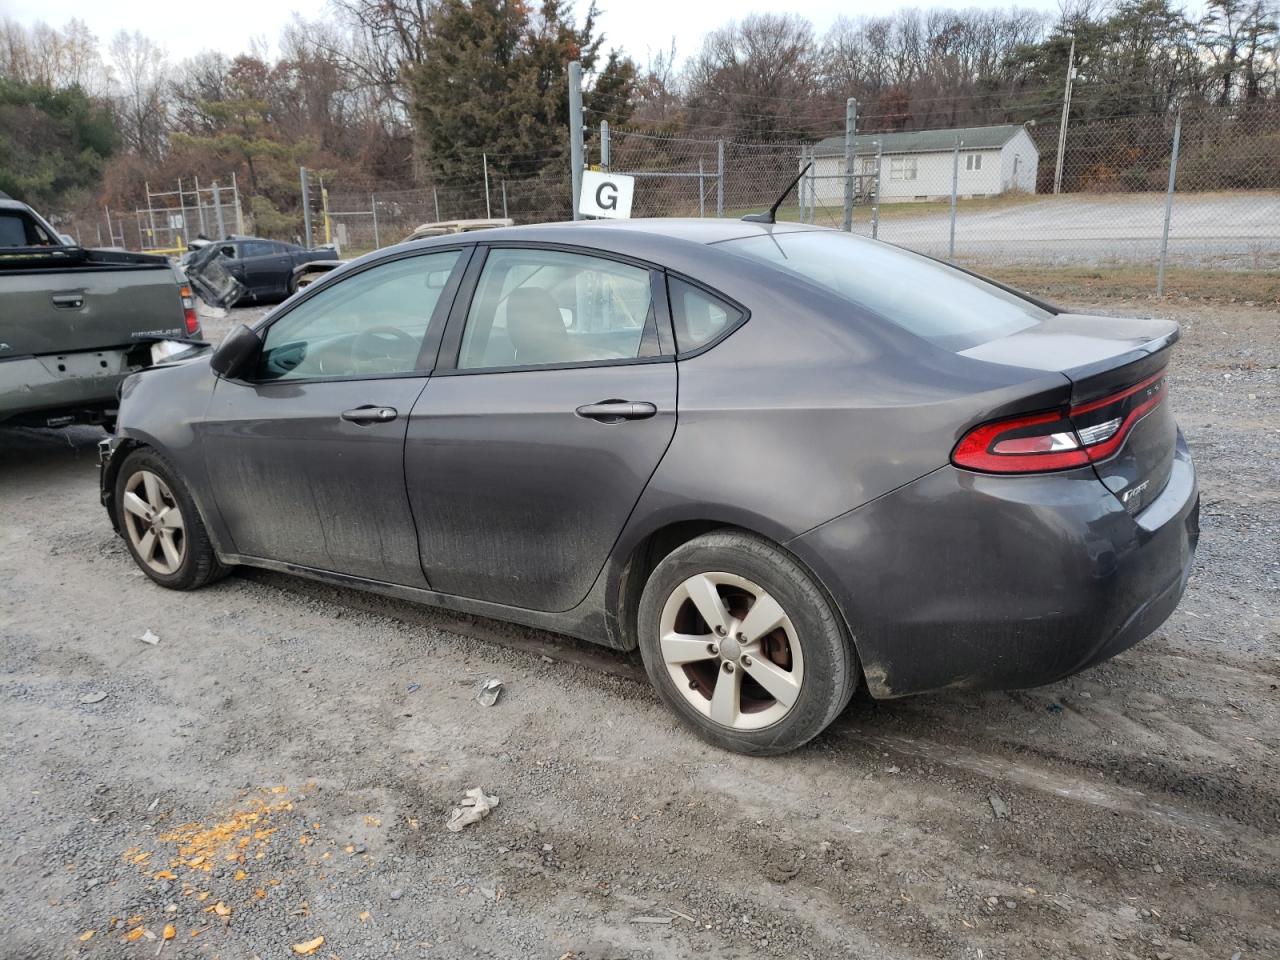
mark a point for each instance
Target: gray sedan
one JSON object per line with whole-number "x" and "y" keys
{"x": 781, "y": 461}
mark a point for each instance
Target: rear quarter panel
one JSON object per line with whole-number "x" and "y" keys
{"x": 809, "y": 410}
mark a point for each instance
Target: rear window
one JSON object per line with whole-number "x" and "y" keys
{"x": 18, "y": 230}
{"x": 943, "y": 305}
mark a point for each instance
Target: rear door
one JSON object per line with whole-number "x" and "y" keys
{"x": 266, "y": 267}
{"x": 553, "y": 402}
{"x": 306, "y": 459}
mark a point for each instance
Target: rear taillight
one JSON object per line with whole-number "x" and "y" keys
{"x": 189, "y": 310}
{"x": 1059, "y": 440}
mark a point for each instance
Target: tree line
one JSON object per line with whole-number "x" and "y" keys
{"x": 397, "y": 92}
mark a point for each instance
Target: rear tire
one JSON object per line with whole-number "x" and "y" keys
{"x": 761, "y": 684}
{"x": 161, "y": 525}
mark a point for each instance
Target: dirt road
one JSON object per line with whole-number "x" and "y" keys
{"x": 279, "y": 767}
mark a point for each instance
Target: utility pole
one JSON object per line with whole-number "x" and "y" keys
{"x": 575, "y": 133}
{"x": 604, "y": 145}
{"x": 1066, "y": 113}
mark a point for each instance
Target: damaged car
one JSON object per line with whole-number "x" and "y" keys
{"x": 75, "y": 322}
{"x": 782, "y": 462}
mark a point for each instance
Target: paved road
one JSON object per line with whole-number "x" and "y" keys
{"x": 1235, "y": 231}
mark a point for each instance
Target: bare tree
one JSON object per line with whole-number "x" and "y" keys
{"x": 142, "y": 98}
{"x": 755, "y": 78}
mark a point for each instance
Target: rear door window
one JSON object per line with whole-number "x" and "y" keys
{"x": 534, "y": 307}
{"x": 937, "y": 302}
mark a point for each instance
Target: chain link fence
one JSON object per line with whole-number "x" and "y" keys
{"x": 983, "y": 197}
{"x": 954, "y": 194}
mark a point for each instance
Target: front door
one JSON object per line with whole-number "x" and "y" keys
{"x": 306, "y": 459}
{"x": 524, "y": 460}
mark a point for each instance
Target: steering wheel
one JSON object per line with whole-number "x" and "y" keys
{"x": 383, "y": 343}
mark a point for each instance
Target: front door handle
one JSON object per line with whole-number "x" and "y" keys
{"x": 68, "y": 301}
{"x": 614, "y": 411}
{"x": 370, "y": 413}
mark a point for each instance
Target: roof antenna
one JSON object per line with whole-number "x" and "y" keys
{"x": 772, "y": 215}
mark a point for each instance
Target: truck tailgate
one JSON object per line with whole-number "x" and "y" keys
{"x": 86, "y": 303}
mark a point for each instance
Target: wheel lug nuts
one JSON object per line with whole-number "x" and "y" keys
{"x": 728, "y": 667}
{"x": 742, "y": 638}
{"x": 746, "y": 661}
{"x": 720, "y": 630}
{"x": 713, "y": 649}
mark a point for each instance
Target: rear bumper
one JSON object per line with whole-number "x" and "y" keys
{"x": 59, "y": 389}
{"x": 966, "y": 580}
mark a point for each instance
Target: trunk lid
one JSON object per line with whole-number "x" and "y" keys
{"x": 70, "y": 300}
{"x": 1116, "y": 366}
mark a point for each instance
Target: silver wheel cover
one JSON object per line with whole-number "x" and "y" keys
{"x": 731, "y": 651}
{"x": 154, "y": 522}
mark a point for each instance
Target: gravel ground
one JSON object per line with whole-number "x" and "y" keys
{"x": 280, "y": 766}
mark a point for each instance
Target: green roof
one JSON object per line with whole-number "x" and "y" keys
{"x": 923, "y": 141}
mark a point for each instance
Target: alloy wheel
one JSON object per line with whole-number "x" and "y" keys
{"x": 731, "y": 650}
{"x": 154, "y": 522}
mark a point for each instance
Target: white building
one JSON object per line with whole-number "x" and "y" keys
{"x": 917, "y": 165}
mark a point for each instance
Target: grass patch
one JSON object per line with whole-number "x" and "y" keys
{"x": 1126, "y": 282}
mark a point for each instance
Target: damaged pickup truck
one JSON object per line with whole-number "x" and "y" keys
{"x": 75, "y": 322}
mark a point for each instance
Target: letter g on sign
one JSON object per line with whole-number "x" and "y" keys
{"x": 606, "y": 194}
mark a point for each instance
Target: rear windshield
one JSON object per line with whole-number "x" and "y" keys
{"x": 943, "y": 305}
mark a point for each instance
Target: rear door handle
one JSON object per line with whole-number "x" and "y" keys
{"x": 68, "y": 301}
{"x": 613, "y": 411}
{"x": 370, "y": 413}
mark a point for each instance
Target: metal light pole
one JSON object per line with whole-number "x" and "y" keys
{"x": 1168, "y": 202}
{"x": 488, "y": 213}
{"x": 850, "y": 125}
{"x": 217, "y": 206}
{"x": 875, "y": 201}
{"x": 306, "y": 204}
{"x": 575, "y": 133}
{"x": 1066, "y": 113}
{"x": 720, "y": 178}
{"x": 955, "y": 186}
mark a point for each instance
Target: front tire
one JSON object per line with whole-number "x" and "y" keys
{"x": 741, "y": 642}
{"x": 161, "y": 524}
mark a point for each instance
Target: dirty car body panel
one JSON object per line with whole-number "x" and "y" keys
{"x": 827, "y": 417}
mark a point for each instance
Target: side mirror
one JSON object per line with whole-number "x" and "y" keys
{"x": 237, "y": 354}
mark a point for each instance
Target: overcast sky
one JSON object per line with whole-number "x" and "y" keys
{"x": 230, "y": 26}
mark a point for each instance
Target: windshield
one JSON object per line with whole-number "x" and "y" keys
{"x": 943, "y": 305}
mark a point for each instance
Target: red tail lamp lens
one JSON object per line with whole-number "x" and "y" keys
{"x": 1048, "y": 441}
{"x": 189, "y": 311}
